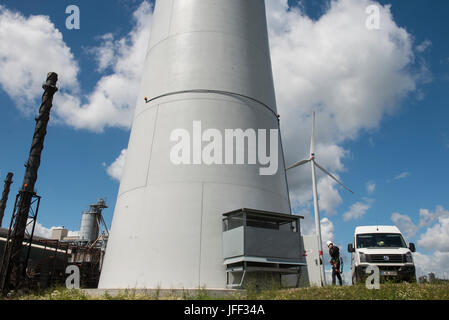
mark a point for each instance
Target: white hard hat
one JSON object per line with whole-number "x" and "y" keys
{"x": 328, "y": 243}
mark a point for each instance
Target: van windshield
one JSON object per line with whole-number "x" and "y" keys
{"x": 380, "y": 240}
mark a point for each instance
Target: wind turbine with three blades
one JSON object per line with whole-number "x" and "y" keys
{"x": 315, "y": 194}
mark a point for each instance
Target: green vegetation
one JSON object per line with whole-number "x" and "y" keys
{"x": 55, "y": 294}
{"x": 388, "y": 291}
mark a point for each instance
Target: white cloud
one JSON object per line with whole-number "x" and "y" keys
{"x": 110, "y": 104}
{"x": 115, "y": 170}
{"x": 370, "y": 187}
{"x": 308, "y": 223}
{"x": 308, "y": 226}
{"x": 32, "y": 47}
{"x": 113, "y": 100}
{"x": 405, "y": 224}
{"x": 329, "y": 198}
{"x": 105, "y": 54}
{"x": 44, "y": 232}
{"x": 437, "y": 236}
{"x": 403, "y": 175}
{"x": 436, "y": 262}
{"x": 353, "y": 77}
{"x": 427, "y": 217}
{"x": 434, "y": 239}
{"x": 357, "y": 210}
{"x": 39, "y": 230}
{"x": 424, "y": 45}
{"x": 327, "y": 230}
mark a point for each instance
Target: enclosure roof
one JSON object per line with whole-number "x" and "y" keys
{"x": 265, "y": 214}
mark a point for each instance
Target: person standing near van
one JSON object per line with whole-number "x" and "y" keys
{"x": 334, "y": 252}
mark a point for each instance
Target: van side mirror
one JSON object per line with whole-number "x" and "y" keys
{"x": 350, "y": 248}
{"x": 412, "y": 247}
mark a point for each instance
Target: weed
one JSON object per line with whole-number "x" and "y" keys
{"x": 270, "y": 290}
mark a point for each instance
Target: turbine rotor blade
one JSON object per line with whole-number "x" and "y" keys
{"x": 326, "y": 172}
{"x": 312, "y": 139}
{"x": 297, "y": 164}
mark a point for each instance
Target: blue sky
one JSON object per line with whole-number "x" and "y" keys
{"x": 415, "y": 140}
{"x": 409, "y": 141}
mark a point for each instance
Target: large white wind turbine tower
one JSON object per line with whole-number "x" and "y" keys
{"x": 313, "y": 162}
{"x": 207, "y": 71}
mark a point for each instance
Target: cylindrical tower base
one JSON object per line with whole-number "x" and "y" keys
{"x": 208, "y": 64}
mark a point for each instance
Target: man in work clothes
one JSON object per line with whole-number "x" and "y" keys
{"x": 334, "y": 252}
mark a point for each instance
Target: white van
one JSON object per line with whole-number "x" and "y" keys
{"x": 383, "y": 246}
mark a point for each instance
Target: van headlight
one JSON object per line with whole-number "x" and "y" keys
{"x": 408, "y": 257}
{"x": 362, "y": 257}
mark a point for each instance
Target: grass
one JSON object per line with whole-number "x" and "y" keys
{"x": 388, "y": 291}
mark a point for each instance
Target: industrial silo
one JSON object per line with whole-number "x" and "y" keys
{"x": 207, "y": 67}
{"x": 90, "y": 222}
{"x": 89, "y": 227}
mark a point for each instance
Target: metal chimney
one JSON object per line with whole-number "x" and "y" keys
{"x": 13, "y": 265}
{"x": 5, "y": 194}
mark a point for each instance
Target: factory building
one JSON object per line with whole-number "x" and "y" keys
{"x": 49, "y": 257}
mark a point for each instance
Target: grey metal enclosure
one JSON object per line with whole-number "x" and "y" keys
{"x": 261, "y": 244}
